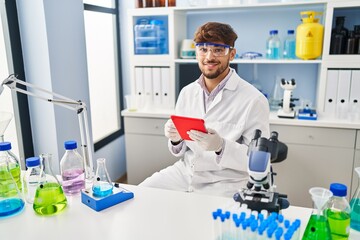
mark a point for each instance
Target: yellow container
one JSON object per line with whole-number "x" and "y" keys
{"x": 309, "y": 36}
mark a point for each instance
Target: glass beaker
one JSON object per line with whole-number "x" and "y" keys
{"x": 11, "y": 198}
{"x": 49, "y": 197}
{"x": 276, "y": 95}
{"x": 318, "y": 226}
{"x": 102, "y": 185}
{"x": 355, "y": 205}
{"x": 5, "y": 118}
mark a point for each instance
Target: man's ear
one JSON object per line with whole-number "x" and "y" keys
{"x": 232, "y": 54}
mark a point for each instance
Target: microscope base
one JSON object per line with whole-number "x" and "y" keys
{"x": 282, "y": 114}
{"x": 262, "y": 200}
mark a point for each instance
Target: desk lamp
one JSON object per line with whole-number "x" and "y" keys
{"x": 57, "y": 99}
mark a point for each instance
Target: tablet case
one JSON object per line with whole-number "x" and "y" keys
{"x": 185, "y": 124}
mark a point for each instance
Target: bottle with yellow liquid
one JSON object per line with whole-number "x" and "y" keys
{"x": 309, "y": 36}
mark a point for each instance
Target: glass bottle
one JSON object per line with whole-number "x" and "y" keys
{"x": 11, "y": 199}
{"x": 338, "y": 37}
{"x": 72, "y": 169}
{"x": 338, "y": 212}
{"x": 34, "y": 176}
{"x": 357, "y": 38}
{"x": 289, "y": 45}
{"x": 102, "y": 185}
{"x": 355, "y": 205}
{"x": 318, "y": 226}
{"x": 49, "y": 197}
{"x": 273, "y": 45}
{"x": 350, "y": 43}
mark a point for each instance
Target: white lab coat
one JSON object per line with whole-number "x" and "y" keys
{"x": 237, "y": 110}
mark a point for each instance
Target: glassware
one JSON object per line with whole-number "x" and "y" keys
{"x": 102, "y": 185}
{"x": 273, "y": 45}
{"x": 339, "y": 36}
{"x": 318, "y": 226}
{"x": 72, "y": 169}
{"x": 34, "y": 176}
{"x": 11, "y": 199}
{"x": 276, "y": 95}
{"x": 5, "y": 118}
{"x": 49, "y": 197}
{"x": 338, "y": 213}
{"x": 289, "y": 45}
{"x": 355, "y": 205}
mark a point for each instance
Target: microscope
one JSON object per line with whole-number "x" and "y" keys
{"x": 260, "y": 193}
{"x": 287, "y": 105}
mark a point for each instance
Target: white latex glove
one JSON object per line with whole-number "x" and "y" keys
{"x": 171, "y": 132}
{"x": 210, "y": 141}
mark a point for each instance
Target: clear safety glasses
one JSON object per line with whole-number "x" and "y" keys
{"x": 218, "y": 50}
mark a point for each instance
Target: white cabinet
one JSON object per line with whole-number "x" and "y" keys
{"x": 316, "y": 158}
{"x": 146, "y": 147}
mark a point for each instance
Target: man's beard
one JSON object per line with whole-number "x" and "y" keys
{"x": 215, "y": 74}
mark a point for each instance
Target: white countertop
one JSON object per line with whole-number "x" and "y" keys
{"x": 274, "y": 119}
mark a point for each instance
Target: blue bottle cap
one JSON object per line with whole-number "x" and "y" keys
{"x": 273, "y": 32}
{"x": 69, "y": 145}
{"x": 33, "y": 161}
{"x": 338, "y": 189}
{"x": 291, "y": 32}
{"x": 4, "y": 146}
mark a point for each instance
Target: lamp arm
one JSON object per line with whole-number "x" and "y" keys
{"x": 78, "y": 106}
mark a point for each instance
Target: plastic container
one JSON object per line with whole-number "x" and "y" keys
{"x": 11, "y": 199}
{"x": 309, "y": 36}
{"x": 338, "y": 212}
{"x": 273, "y": 45}
{"x": 72, "y": 169}
{"x": 150, "y": 37}
{"x": 289, "y": 45}
{"x": 34, "y": 176}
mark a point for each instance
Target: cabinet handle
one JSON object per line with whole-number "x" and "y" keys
{"x": 311, "y": 137}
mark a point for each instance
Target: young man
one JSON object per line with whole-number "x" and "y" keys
{"x": 214, "y": 162}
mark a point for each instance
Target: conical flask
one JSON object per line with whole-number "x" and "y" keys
{"x": 49, "y": 196}
{"x": 318, "y": 226}
{"x": 11, "y": 198}
{"x": 102, "y": 185}
{"x": 5, "y": 118}
{"x": 355, "y": 205}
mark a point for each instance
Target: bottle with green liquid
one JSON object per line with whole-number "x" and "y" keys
{"x": 338, "y": 212}
{"x": 49, "y": 196}
{"x": 318, "y": 225}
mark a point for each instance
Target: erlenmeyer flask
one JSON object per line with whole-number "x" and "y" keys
{"x": 5, "y": 118}
{"x": 11, "y": 199}
{"x": 318, "y": 226}
{"x": 102, "y": 185}
{"x": 355, "y": 205}
{"x": 49, "y": 197}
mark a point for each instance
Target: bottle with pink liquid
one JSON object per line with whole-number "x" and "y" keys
{"x": 72, "y": 169}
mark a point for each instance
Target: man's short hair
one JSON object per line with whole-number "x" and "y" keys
{"x": 216, "y": 32}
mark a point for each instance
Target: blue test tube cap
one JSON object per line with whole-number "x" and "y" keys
{"x": 5, "y": 146}
{"x": 280, "y": 218}
{"x": 287, "y": 223}
{"x": 215, "y": 215}
{"x": 32, "y": 162}
{"x": 253, "y": 225}
{"x": 70, "y": 145}
{"x": 291, "y": 31}
{"x": 278, "y": 233}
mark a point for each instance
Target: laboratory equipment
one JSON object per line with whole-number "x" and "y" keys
{"x": 339, "y": 36}
{"x": 102, "y": 185}
{"x": 306, "y": 112}
{"x": 273, "y": 45}
{"x": 318, "y": 226}
{"x": 276, "y": 95}
{"x": 338, "y": 212}
{"x": 287, "y": 105}
{"x": 34, "y": 176}
{"x": 355, "y": 205}
{"x": 59, "y": 100}
{"x": 5, "y": 118}
{"x": 187, "y": 49}
{"x": 289, "y": 45}
{"x": 250, "y": 55}
{"x": 357, "y": 38}
{"x": 260, "y": 193}
{"x": 72, "y": 169}
{"x": 49, "y": 196}
{"x": 350, "y": 43}
{"x": 309, "y": 36}
{"x": 11, "y": 199}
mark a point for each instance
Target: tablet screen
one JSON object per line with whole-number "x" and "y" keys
{"x": 185, "y": 124}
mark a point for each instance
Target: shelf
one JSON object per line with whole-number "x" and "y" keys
{"x": 261, "y": 61}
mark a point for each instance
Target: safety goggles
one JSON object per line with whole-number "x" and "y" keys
{"x": 218, "y": 50}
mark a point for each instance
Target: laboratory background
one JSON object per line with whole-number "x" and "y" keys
{"x": 113, "y": 70}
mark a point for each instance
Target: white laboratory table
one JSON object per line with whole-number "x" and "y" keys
{"x": 153, "y": 214}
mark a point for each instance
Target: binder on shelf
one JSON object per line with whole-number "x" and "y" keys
{"x": 165, "y": 86}
{"x": 156, "y": 78}
{"x": 343, "y": 94}
{"x": 331, "y": 92}
{"x": 139, "y": 81}
{"x": 148, "y": 87}
{"x": 354, "y": 99}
